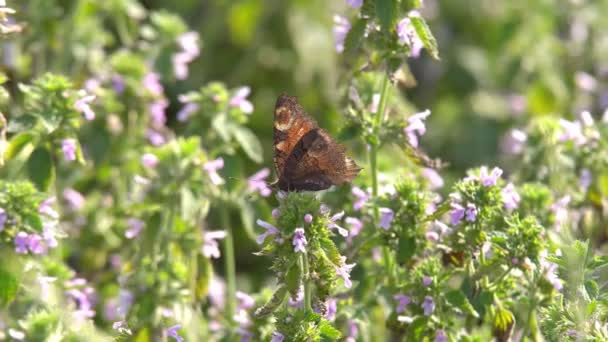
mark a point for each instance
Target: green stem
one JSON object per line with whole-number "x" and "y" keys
{"x": 305, "y": 270}
{"x": 373, "y": 161}
{"x": 229, "y": 268}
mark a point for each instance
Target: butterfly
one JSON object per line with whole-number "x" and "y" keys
{"x": 306, "y": 158}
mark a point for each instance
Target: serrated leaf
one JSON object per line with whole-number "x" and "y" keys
{"x": 328, "y": 331}
{"x": 355, "y": 35}
{"x": 220, "y": 126}
{"x": 40, "y": 168}
{"x": 386, "y": 11}
{"x": 249, "y": 142}
{"x": 459, "y": 300}
{"x": 8, "y": 286}
{"x": 424, "y": 33}
{"x": 275, "y": 301}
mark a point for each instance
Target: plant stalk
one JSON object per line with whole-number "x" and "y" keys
{"x": 229, "y": 269}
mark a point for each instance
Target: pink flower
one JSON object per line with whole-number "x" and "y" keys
{"x": 211, "y": 167}
{"x": 152, "y": 83}
{"x": 402, "y": 302}
{"x": 510, "y": 197}
{"x": 435, "y": 180}
{"x": 514, "y": 141}
{"x": 149, "y": 160}
{"x": 74, "y": 198}
{"x": 257, "y": 182}
{"x": 299, "y": 241}
{"x": 157, "y": 112}
{"x": 83, "y": 105}
{"x": 408, "y": 35}
{"x": 239, "y": 100}
{"x": 354, "y": 3}
{"x": 68, "y": 147}
{"x": 21, "y": 242}
{"x": 340, "y": 30}
{"x": 361, "y": 196}
{"x": 416, "y": 127}
{"x": 457, "y": 213}
{"x": 211, "y": 247}
{"x": 135, "y": 227}
{"x": 308, "y": 218}
{"x": 333, "y": 225}
{"x": 428, "y": 305}
{"x": 489, "y": 179}
{"x": 270, "y": 230}
{"x": 386, "y": 217}
{"x": 343, "y": 271}
{"x": 172, "y": 332}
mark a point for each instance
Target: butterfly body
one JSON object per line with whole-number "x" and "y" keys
{"x": 306, "y": 158}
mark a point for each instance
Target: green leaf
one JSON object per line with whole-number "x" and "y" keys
{"x": 407, "y": 248}
{"x": 249, "y": 143}
{"x": 247, "y": 218}
{"x": 221, "y": 127}
{"x": 17, "y": 144}
{"x": 8, "y": 286}
{"x": 21, "y": 123}
{"x": 386, "y": 13}
{"x": 459, "y": 300}
{"x": 40, "y": 168}
{"x": 355, "y": 36}
{"x": 292, "y": 278}
{"x": 328, "y": 331}
{"x": 277, "y": 298}
{"x": 425, "y": 34}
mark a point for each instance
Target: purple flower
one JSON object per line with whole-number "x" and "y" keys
{"x": 239, "y": 100}
{"x": 297, "y": 301}
{"x": 355, "y": 227}
{"x": 188, "y": 109}
{"x": 157, "y": 112}
{"x": 354, "y": 3}
{"x": 402, "y": 302}
{"x": 74, "y": 199}
{"x": 572, "y": 131}
{"x": 257, "y": 182}
{"x": 416, "y": 127}
{"x": 270, "y": 230}
{"x": 471, "y": 212}
{"x": 386, "y": 217}
{"x": 277, "y": 337}
{"x": 332, "y": 308}
{"x": 210, "y": 246}
{"x": 586, "y": 178}
{"x": 2, "y": 218}
{"x": 457, "y": 213}
{"x": 308, "y": 218}
{"x": 83, "y": 105}
{"x": 299, "y": 241}
{"x": 246, "y": 302}
{"x": 180, "y": 64}
{"x": 211, "y": 167}
{"x": 407, "y": 35}
{"x": 118, "y": 83}
{"x": 48, "y": 234}
{"x": 68, "y": 147}
{"x": 35, "y": 245}
{"x": 510, "y": 197}
{"x": 486, "y": 249}
{"x": 190, "y": 50}
{"x": 560, "y": 210}
{"x": 428, "y": 305}
{"x": 149, "y": 160}
{"x": 135, "y": 227}
{"x": 275, "y": 213}
{"x": 440, "y": 336}
{"x": 362, "y": 197}
{"x": 332, "y": 224}
{"x": 426, "y": 280}
{"x": 83, "y": 298}
{"x": 340, "y": 30}
{"x": 432, "y": 236}
{"x": 343, "y": 271}
{"x": 172, "y": 332}
{"x": 151, "y": 82}
{"x": 435, "y": 180}
{"x": 353, "y": 331}
{"x": 21, "y": 242}
{"x": 122, "y": 327}
{"x": 155, "y": 138}
{"x": 489, "y": 179}
{"x": 189, "y": 42}
{"x": 514, "y": 141}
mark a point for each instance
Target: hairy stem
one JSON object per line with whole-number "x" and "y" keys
{"x": 305, "y": 271}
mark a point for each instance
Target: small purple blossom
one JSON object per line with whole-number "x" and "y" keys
{"x": 308, "y": 218}
{"x": 489, "y": 179}
{"x": 211, "y": 167}
{"x": 514, "y": 141}
{"x": 340, "y": 30}
{"x": 157, "y": 112}
{"x": 149, "y": 160}
{"x": 118, "y": 83}
{"x": 428, "y": 305}
{"x": 48, "y": 235}
{"x": 361, "y": 198}
{"x": 68, "y": 147}
{"x": 84, "y": 300}
{"x": 246, "y": 302}
{"x": 172, "y": 332}
{"x": 572, "y": 131}
{"x": 457, "y": 213}
{"x": 355, "y": 227}
{"x": 402, "y": 302}
{"x": 257, "y": 182}
{"x": 416, "y": 127}
{"x": 586, "y": 178}
{"x": 353, "y": 331}
{"x": 354, "y": 3}
{"x": 486, "y": 249}
{"x": 441, "y": 336}
{"x": 333, "y": 225}
{"x": 386, "y": 217}
{"x": 426, "y": 280}
{"x": 74, "y": 199}
{"x": 188, "y": 109}
{"x": 332, "y": 309}
{"x": 275, "y": 213}
{"x": 277, "y": 337}
{"x": 152, "y": 83}
{"x": 343, "y": 271}
{"x": 560, "y": 210}
{"x": 270, "y": 230}
{"x": 83, "y": 105}
{"x": 190, "y": 50}
{"x": 122, "y": 327}
{"x": 155, "y": 138}
{"x": 3, "y": 217}
{"x": 510, "y": 197}
{"x": 135, "y": 227}
{"x": 189, "y": 42}
{"x": 35, "y": 244}
{"x": 210, "y": 246}
{"x": 299, "y": 241}
{"x": 239, "y": 100}
{"x": 435, "y": 180}
{"x": 471, "y": 212}
{"x": 408, "y": 35}
{"x": 21, "y": 242}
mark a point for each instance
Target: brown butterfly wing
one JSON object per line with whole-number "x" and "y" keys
{"x": 315, "y": 161}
